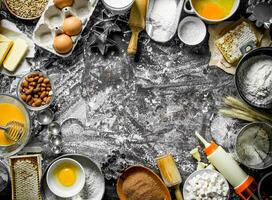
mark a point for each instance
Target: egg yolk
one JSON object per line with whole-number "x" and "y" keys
{"x": 66, "y": 176}
{"x": 212, "y": 11}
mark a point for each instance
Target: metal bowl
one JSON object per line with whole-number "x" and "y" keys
{"x": 267, "y": 161}
{"x": 6, "y": 151}
{"x": 264, "y": 182}
{"x": 23, "y": 18}
{"x": 31, "y": 107}
{"x": 4, "y": 177}
{"x": 243, "y": 66}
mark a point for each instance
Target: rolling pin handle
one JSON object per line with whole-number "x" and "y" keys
{"x": 133, "y": 43}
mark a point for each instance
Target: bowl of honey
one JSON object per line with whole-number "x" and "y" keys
{"x": 11, "y": 109}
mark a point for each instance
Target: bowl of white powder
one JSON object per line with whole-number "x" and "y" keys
{"x": 253, "y": 145}
{"x": 253, "y": 78}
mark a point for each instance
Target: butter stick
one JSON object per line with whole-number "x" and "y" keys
{"x": 15, "y": 55}
{"x": 5, "y": 45}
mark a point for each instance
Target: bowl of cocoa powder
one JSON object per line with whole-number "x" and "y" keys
{"x": 35, "y": 90}
{"x": 139, "y": 182}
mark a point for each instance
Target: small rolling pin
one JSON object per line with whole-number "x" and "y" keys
{"x": 170, "y": 173}
{"x": 136, "y": 23}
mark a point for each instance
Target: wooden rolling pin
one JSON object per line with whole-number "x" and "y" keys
{"x": 136, "y": 23}
{"x": 170, "y": 173}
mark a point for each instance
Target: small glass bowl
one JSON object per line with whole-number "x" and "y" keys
{"x": 6, "y": 151}
{"x": 42, "y": 107}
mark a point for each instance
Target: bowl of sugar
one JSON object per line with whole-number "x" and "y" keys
{"x": 192, "y": 31}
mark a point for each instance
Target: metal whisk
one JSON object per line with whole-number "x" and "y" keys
{"x": 14, "y": 130}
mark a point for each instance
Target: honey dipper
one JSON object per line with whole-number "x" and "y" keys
{"x": 14, "y": 130}
{"x": 170, "y": 173}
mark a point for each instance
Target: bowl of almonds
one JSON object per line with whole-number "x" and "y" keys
{"x": 35, "y": 90}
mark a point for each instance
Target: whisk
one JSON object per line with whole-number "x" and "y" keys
{"x": 14, "y": 130}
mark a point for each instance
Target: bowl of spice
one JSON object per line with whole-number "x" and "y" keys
{"x": 253, "y": 145}
{"x": 264, "y": 187}
{"x": 139, "y": 182}
{"x": 26, "y": 9}
{"x": 35, "y": 90}
{"x": 253, "y": 78}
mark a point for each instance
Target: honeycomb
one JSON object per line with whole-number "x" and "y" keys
{"x": 25, "y": 177}
{"x": 231, "y": 43}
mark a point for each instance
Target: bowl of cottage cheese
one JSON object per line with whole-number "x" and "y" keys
{"x": 206, "y": 184}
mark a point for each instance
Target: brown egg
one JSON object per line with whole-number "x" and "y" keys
{"x": 63, "y": 43}
{"x": 72, "y": 26}
{"x": 63, "y": 3}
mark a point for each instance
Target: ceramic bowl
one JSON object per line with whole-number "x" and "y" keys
{"x": 192, "y": 39}
{"x": 118, "y": 10}
{"x": 65, "y": 191}
{"x": 186, "y": 194}
{"x": 191, "y": 10}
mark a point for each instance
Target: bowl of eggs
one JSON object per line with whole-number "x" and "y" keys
{"x": 212, "y": 11}
{"x": 65, "y": 177}
{"x": 61, "y": 25}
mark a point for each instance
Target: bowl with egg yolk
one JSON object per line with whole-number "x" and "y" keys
{"x": 212, "y": 11}
{"x": 11, "y": 109}
{"x": 65, "y": 177}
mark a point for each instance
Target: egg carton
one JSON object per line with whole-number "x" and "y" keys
{"x": 52, "y": 19}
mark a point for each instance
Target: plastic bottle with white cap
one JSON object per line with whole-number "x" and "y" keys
{"x": 244, "y": 185}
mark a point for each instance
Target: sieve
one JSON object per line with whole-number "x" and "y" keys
{"x": 244, "y": 65}
{"x": 256, "y": 144}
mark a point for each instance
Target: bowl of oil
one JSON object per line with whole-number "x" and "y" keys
{"x": 11, "y": 109}
{"x": 65, "y": 177}
{"x": 212, "y": 11}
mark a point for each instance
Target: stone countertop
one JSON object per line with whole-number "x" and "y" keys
{"x": 122, "y": 111}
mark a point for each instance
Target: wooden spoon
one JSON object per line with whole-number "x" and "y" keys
{"x": 136, "y": 169}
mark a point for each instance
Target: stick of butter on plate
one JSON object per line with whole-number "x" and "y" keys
{"x": 15, "y": 55}
{"x": 5, "y": 45}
